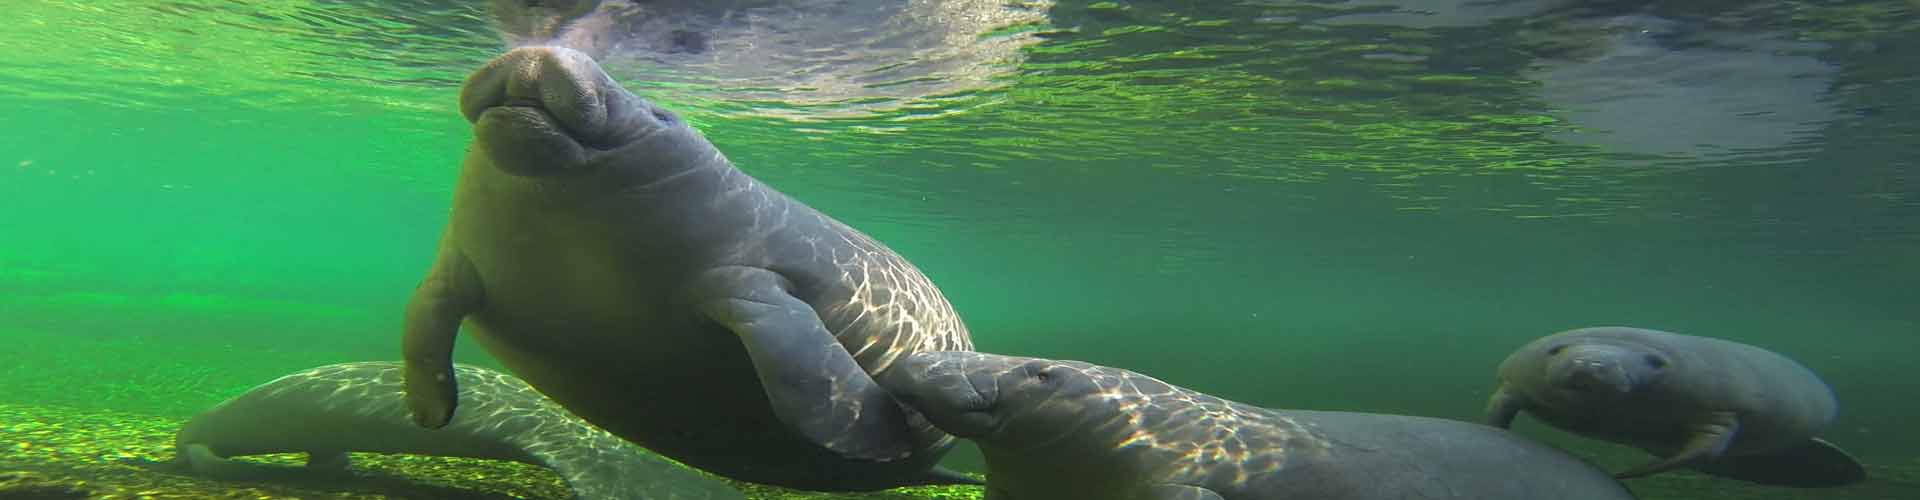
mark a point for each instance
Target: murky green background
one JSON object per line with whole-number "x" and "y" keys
{"x": 1254, "y": 199}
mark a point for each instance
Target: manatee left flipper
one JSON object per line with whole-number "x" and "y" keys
{"x": 1814, "y": 464}
{"x": 205, "y": 462}
{"x": 1503, "y": 406}
{"x": 450, "y": 291}
{"x": 813, "y": 383}
{"x": 1177, "y": 492}
{"x": 1708, "y": 440}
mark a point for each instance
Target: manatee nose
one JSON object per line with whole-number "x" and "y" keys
{"x": 564, "y": 83}
{"x": 1588, "y": 375}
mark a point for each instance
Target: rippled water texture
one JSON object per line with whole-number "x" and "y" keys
{"x": 831, "y": 56}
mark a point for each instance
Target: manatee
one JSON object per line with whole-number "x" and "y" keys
{"x": 1066, "y": 429}
{"x": 328, "y": 411}
{"x": 601, "y": 249}
{"x": 1716, "y": 406}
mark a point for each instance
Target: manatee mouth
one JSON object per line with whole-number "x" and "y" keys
{"x": 544, "y": 110}
{"x": 1594, "y": 378}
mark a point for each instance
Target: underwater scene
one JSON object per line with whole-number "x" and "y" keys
{"x": 960, "y": 249}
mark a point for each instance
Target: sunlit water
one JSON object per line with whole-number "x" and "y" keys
{"x": 1295, "y": 204}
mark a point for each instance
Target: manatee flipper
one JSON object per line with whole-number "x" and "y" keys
{"x": 1503, "y": 406}
{"x": 328, "y": 461}
{"x": 441, "y": 301}
{"x": 811, "y": 380}
{"x": 1177, "y": 492}
{"x": 1814, "y": 464}
{"x": 1708, "y": 440}
{"x": 205, "y": 462}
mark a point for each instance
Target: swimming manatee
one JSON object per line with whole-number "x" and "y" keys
{"x": 1716, "y": 406}
{"x": 1071, "y": 430}
{"x": 330, "y": 410}
{"x": 606, "y": 253}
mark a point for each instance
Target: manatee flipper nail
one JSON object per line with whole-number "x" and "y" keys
{"x": 1708, "y": 441}
{"x": 812, "y": 381}
{"x": 434, "y": 314}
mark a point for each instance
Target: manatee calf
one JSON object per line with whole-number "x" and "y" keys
{"x": 328, "y": 411}
{"x": 1066, "y": 429}
{"x": 609, "y": 255}
{"x": 1720, "y": 407}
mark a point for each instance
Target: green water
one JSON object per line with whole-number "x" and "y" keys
{"x": 1246, "y": 198}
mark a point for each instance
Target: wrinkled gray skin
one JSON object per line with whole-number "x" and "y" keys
{"x": 1721, "y": 407}
{"x": 606, "y": 253}
{"x": 1067, "y": 429}
{"x": 329, "y": 411}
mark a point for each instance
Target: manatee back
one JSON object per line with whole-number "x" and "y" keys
{"x": 1780, "y": 402}
{"x": 352, "y": 407}
{"x": 1394, "y": 456}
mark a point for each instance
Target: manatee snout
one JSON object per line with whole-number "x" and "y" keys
{"x": 949, "y": 390}
{"x": 544, "y": 110}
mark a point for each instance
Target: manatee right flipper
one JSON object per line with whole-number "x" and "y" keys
{"x": 811, "y": 380}
{"x": 1178, "y": 492}
{"x": 1708, "y": 440}
{"x": 1503, "y": 406}
{"x": 450, "y": 291}
{"x": 1814, "y": 464}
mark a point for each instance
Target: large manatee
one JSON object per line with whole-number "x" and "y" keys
{"x": 609, "y": 255}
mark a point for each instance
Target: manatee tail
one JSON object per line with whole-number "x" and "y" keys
{"x": 1814, "y": 464}
{"x": 944, "y": 476}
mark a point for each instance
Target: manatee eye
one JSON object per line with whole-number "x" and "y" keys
{"x": 1656, "y": 361}
{"x": 663, "y": 116}
{"x": 1555, "y": 350}
{"x": 1043, "y": 376}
